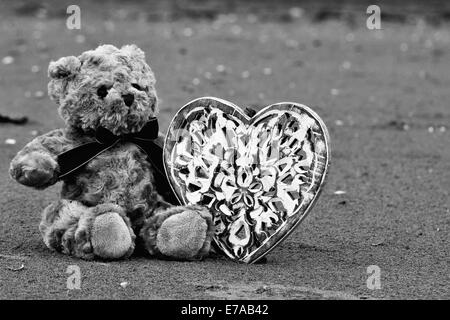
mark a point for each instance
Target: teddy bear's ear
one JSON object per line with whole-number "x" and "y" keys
{"x": 133, "y": 50}
{"x": 64, "y": 67}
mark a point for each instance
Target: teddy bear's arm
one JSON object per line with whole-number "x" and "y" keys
{"x": 36, "y": 165}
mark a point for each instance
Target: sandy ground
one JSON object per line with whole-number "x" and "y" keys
{"x": 384, "y": 96}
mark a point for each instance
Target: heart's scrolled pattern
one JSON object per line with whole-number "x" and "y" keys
{"x": 260, "y": 176}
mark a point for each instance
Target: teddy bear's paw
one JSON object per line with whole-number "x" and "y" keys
{"x": 186, "y": 235}
{"x": 111, "y": 237}
{"x": 34, "y": 170}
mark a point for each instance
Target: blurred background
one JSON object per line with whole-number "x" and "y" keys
{"x": 384, "y": 95}
{"x": 319, "y": 53}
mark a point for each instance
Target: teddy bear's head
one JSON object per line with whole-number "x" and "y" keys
{"x": 106, "y": 87}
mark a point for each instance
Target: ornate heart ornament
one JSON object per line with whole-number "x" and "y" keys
{"x": 260, "y": 176}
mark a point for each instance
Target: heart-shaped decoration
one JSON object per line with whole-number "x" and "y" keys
{"x": 260, "y": 176}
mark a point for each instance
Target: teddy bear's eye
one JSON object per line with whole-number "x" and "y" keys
{"x": 136, "y": 86}
{"x": 102, "y": 91}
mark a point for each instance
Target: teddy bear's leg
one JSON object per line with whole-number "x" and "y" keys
{"x": 182, "y": 233}
{"x": 102, "y": 231}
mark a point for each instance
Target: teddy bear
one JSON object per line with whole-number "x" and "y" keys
{"x": 110, "y": 205}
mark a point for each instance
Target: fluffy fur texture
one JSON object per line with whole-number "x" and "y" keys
{"x": 112, "y": 203}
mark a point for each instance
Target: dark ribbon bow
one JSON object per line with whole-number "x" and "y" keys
{"x": 74, "y": 159}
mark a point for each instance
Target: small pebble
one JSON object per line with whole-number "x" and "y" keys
{"x": 196, "y": 81}
{"x": 296, "y": 12}
{"x": 236, "y": 30}
{"x": 188, "y": 32}
{"x": 207, "y": 75}
{"x": 267, "y": 71}
{"x": 39, "y": 94}
{"x": 216, "y": 25}
{"x": 292, "y": 43}
{"x": 334, "y": 92}
{"x": 10, "y": 141}
{"x": 339, "y": 192}
{"x": 349, "y": 37}
{"x": 124, "y": 284}
{"x": 262, "y": 289}
{"x": 378, "y": 243}
{"x": 42, "y": 13}
{"x": 346, "y": 65}
{"x": 220, "y": 68}
{"x": 245, "y": 74}
{"x": 22, "y": 266}
{"x": 35, "y": 69}
{"x": 109, "y": 26}
{"x": 7, "y": 60}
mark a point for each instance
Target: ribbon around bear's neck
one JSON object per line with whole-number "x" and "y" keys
{"x": 74, "y": 159}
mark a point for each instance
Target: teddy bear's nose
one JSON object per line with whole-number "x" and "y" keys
{"x": 128, "y": 99}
